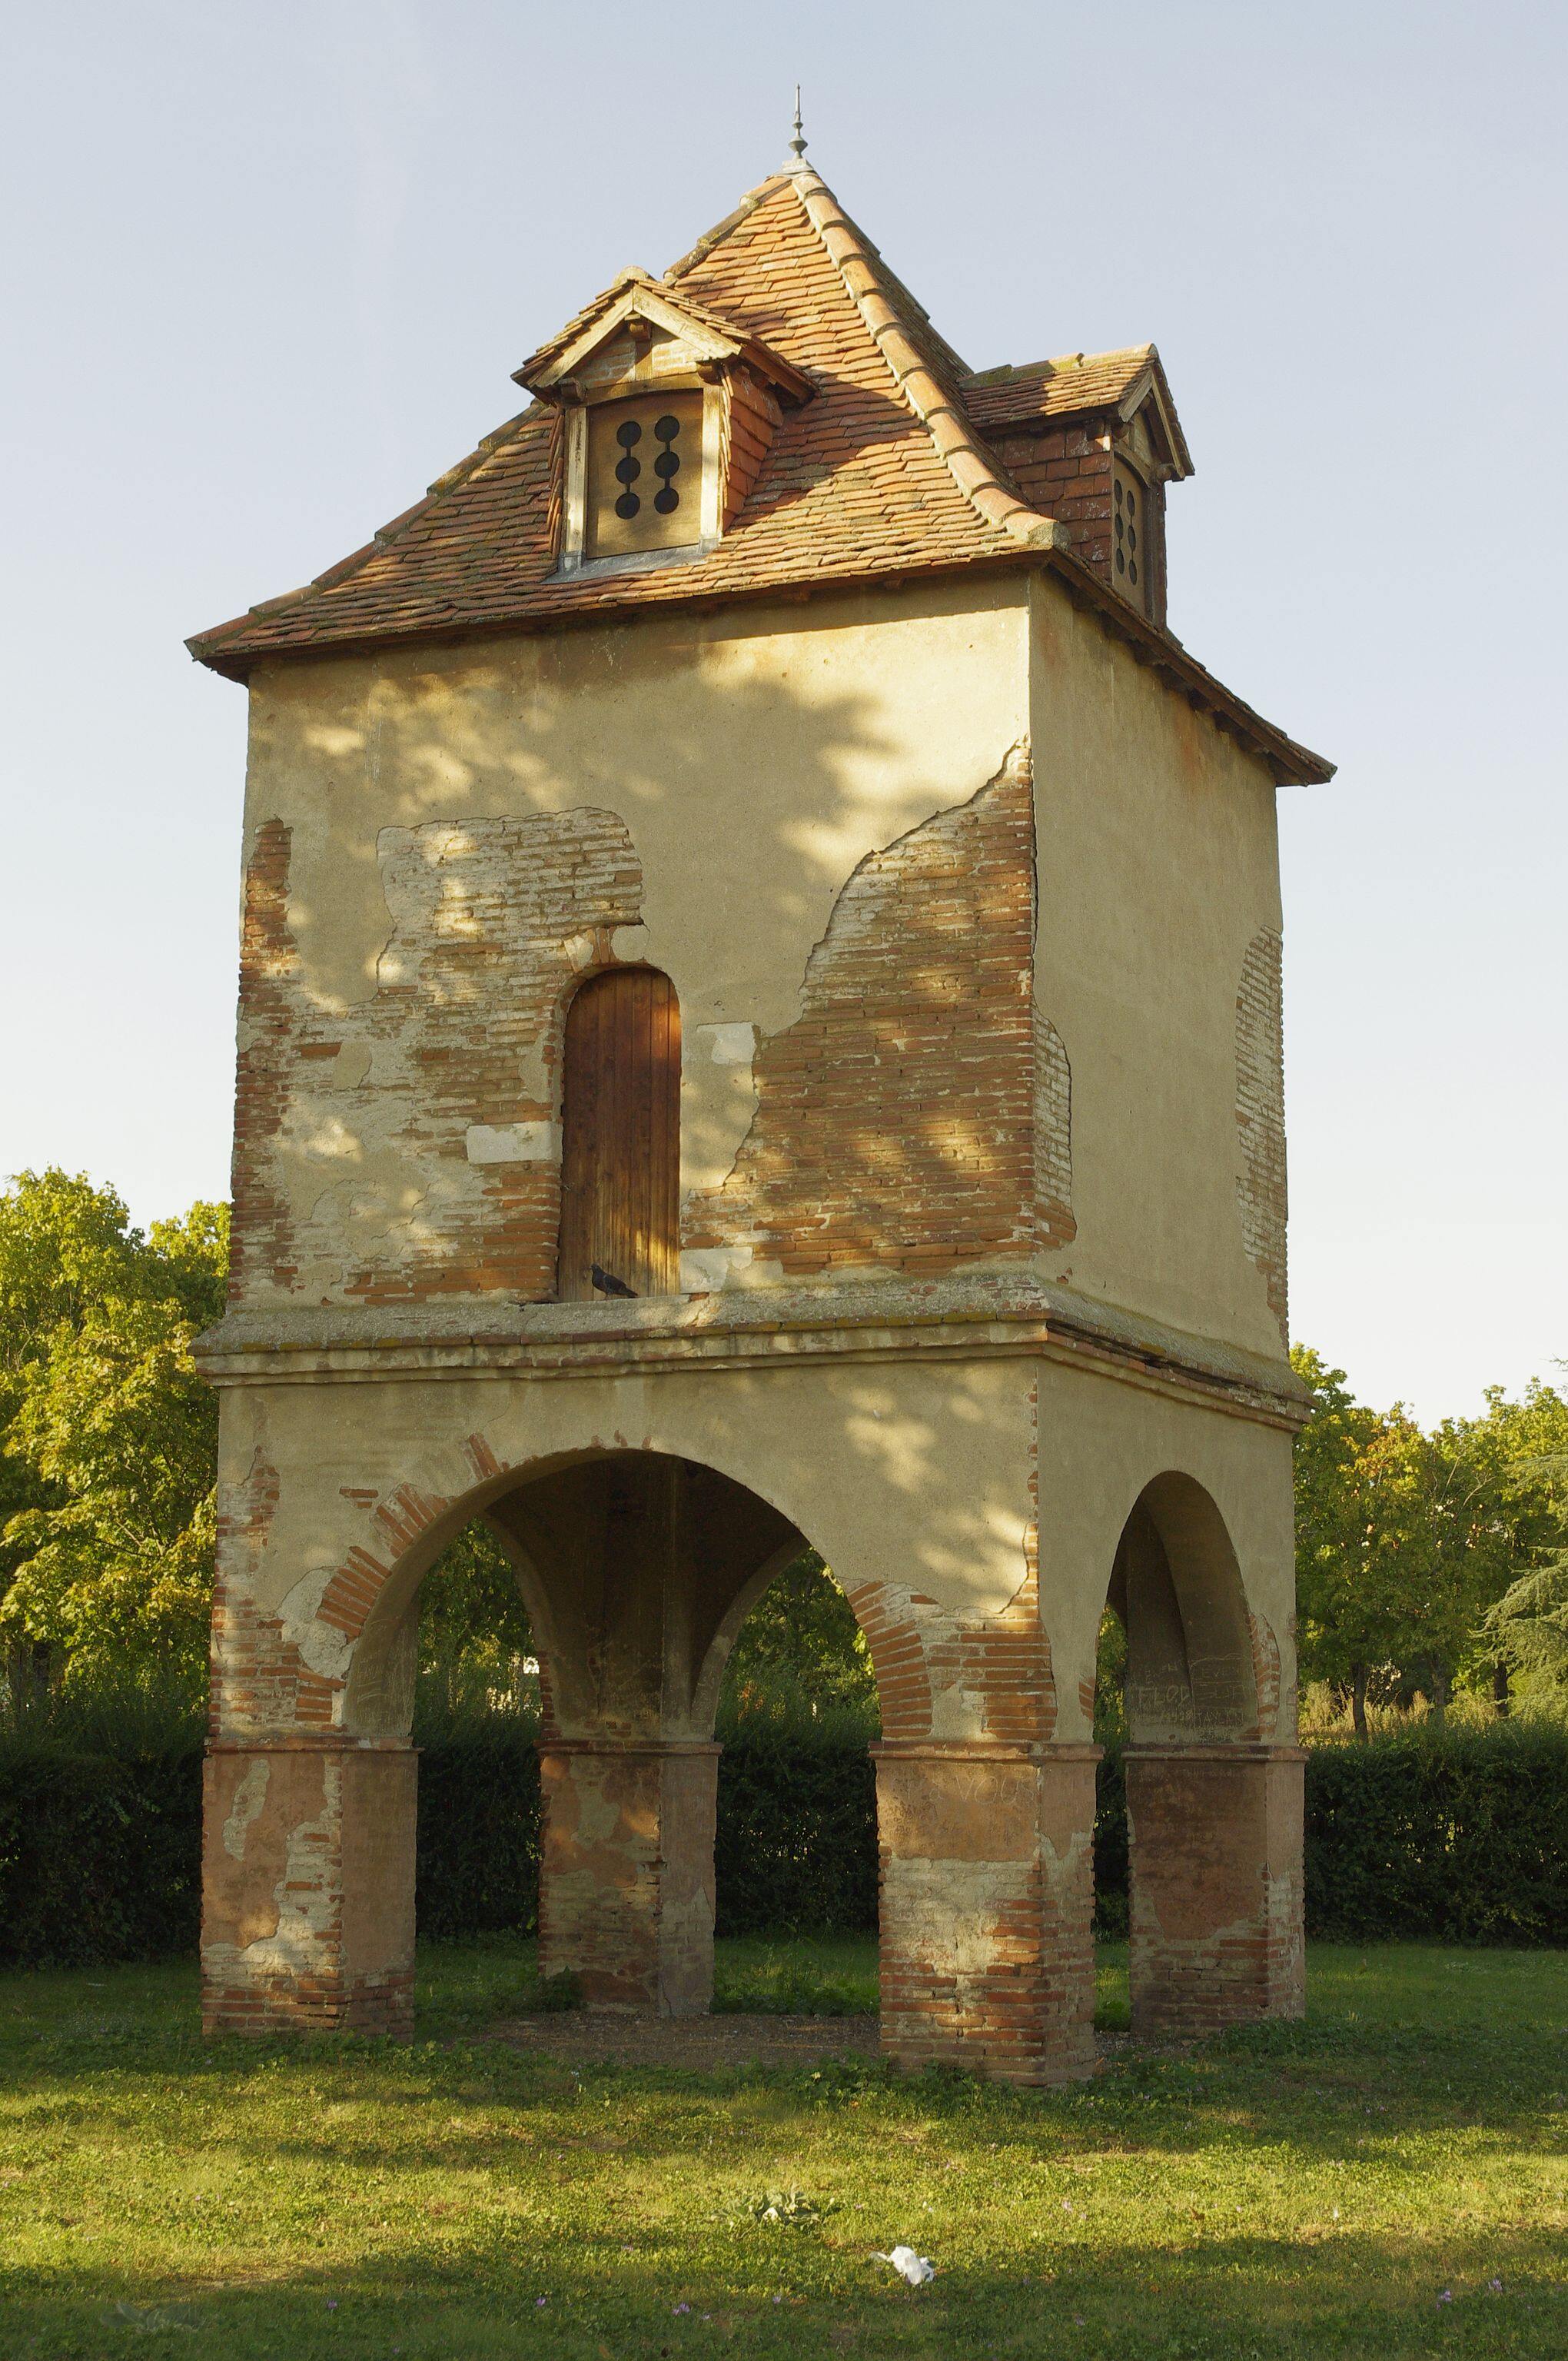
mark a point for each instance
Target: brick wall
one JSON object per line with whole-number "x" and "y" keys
{"x": 1066, "y": 471}
{"x": 894, "y": 1117}
{"x": 352, "y": 1175}
{"x": 1260, "y": 1116}
{"x": 915, "y": 1118}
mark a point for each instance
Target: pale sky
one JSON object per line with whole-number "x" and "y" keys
{"x": 266, "y": 269}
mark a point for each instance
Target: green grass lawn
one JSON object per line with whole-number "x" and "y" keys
{"x": 1387, "y": 2179}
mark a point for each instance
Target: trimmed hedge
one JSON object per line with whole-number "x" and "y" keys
{"x": 477, "y": 1862}
{"x": 1456, "y": 1837}
{"x": 1459, "y": 1837}
{"x": 795, "y": 1847}
{"x": 100, "y": 1854}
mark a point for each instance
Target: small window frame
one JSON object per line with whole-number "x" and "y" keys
{"x": 1134, "y": 569}
{"x": 576, "y": 555}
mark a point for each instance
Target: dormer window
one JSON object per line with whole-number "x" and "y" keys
{"x": 669, "y": 414}
{"x": 1132, "y": 547}
{"x": 645, "y": 487}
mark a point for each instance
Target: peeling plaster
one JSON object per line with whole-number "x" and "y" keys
{"x": 324, "y": 1649}
{"x": 308, "y": 1903}
{"x": 249, "y": 1797}
{"x": 514, "y": 1143}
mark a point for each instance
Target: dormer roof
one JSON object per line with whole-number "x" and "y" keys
{"x": 880, "y": 471}
{"x": 636, "y": 295}
{"x": 1083, "y": 385}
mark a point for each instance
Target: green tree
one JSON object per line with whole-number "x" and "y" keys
{"x": 109, "y": 1435}
{"x": 1529, "y": 1624}
{"x": 474, "y": 1631}
{"x": 1506, "y": 1509}
{"x": 1374, "y": 1604}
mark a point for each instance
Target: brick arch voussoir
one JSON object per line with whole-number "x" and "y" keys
{"x": 399, "y": 1521}
{"x": 942, "y": 1676}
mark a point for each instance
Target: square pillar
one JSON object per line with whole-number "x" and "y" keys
{"x": 626, "y": 1871}
{"x": 987, "y": 1906}
{"x": 1215, "y": 1853}
{"x": 308, "y": 1885}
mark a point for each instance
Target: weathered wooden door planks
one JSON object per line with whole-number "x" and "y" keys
{"x": 620, "y": 1143}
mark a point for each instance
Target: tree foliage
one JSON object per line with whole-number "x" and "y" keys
{"x": 106, "y": 1474}
{"x": 801, "y": 1649}
{"x": 1407, "y": 1543}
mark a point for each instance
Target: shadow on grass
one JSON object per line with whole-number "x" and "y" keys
{"x": 773, "y": 2292}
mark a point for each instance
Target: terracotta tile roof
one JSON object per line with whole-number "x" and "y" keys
{"x": 1074, "y": 386}
{"x": 1060, "y": 389}
{"x": 883, "y": 473}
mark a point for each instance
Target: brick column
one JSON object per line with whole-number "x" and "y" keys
{"x": 626, "y": 1871}
{"x": 1214, "y": 1848}
{"x": 308, "y": 1885}
{"x": 987, "y": 1889}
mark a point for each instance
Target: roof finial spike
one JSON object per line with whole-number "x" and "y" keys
{"x": 797, "y": 145}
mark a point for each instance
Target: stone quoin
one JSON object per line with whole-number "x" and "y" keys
{"x": 760, "y": 1027}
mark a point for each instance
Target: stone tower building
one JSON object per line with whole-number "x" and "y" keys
{"x": 760, "y": 1023}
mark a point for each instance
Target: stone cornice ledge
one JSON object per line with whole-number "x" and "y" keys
{"x": 866, "y": 1319}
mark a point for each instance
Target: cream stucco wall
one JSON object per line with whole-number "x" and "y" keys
{"x": 860, "y": 1458}
{"x": 755, "y": 760}
{"x": 915, "y": 1471}
{"x": 1157, "y": 865}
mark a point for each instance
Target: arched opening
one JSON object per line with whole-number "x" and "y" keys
{"x": 629, "y": 1566}
{"x": 620, "y": 1137}
{"x": 1194, "y": 1846}
{"x": 1179, "y": 1620}
{"x": 638, "y": 1570}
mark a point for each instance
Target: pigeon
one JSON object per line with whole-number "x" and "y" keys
{"x": 607, "y": 1282}
{"x": 915, "y": 2268}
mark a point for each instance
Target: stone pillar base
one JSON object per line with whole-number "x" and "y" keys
{"x": 308, "y": 1899}
{"x": 626, "y": 1871}
{"x": 987, "y": 1887}
{"x": 1214, "y": 1847}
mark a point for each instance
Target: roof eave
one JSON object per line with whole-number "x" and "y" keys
{"x": 1291, "y": 765}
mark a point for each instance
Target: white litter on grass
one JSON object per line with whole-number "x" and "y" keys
{"x": 915, "y": 2268}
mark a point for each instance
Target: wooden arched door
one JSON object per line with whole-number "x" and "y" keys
{"x": 621, "y": 1149}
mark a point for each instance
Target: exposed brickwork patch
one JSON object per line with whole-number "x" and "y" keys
{"x": 1066, "y": 471}
{"x": 895, "y": 1122}
{"x": 940, "y": 1675}
{"x": 986, "y": 1903}
{"x": 259, "y": 1680}
{"x": 1215, "y": 1858}
{"x": 353, "y": 1172}
{"x": 1266, "y": 1671}
{"x": 1055, "y": 1223}
{"x": 1260, "y": 1116}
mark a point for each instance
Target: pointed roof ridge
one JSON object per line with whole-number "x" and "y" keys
{"x": 923, "y": 365}
{"x": 877, "y": 477}
{"x": 722, "y": 229}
